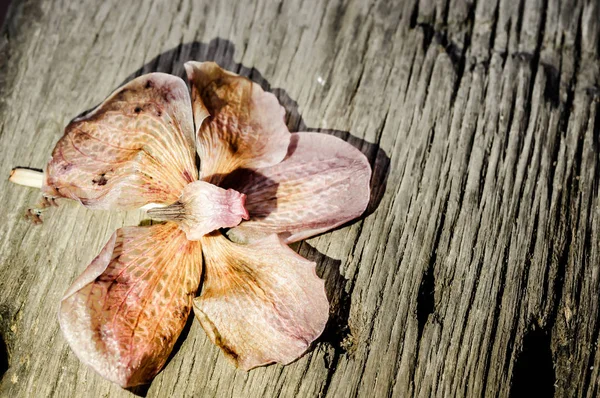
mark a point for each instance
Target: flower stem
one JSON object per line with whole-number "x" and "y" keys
{"x": 173, "y": 212}
{"x": 28, "y": 177}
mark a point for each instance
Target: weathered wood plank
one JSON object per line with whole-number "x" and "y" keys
{"x": 477, "y": 270}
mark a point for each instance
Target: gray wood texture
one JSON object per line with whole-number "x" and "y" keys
{"x": 477, "y": 269}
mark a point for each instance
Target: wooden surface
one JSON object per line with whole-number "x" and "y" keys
{"x": 477, "y": 271}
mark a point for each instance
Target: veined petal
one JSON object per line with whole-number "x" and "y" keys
{"x": 238, "y": 124}
{"x": 262, "y": 302}
{"x": 136, "y": 148}
{"x": 123, "y": 315}
{"x": 323, "y": 183}
{"x": 203, "y": 208}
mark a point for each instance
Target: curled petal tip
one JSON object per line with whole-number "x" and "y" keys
{"x": 243, "y": 211}
{"x": 237, "y": 204}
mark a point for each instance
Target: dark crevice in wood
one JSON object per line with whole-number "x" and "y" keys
{"x": 514, "y": 331}
{"x": 409, "y": 75}
{"x": 533, "y": 60}
{"x": 519, "y": 24}
{"x": 454, "y": 52}
{"x": 509, "y": 122}
{"x": 414, "y": 16}
{"x": 559, "y": 279}
{"x": 534, "y": 65}
{"x": 362, "y": 71}
{"x": 331, "y": 365}
{"x": 596, "y": 324}
{"x": 445, "y": 11}
{"x": 568, "y": 107}
{"x": 303, "y": 374}
{"x": 596, "y": 147}
{"x": 552, "y": 86}
{"x": 529, "y": 255}
{"x": 458, "y": 58}
{"x": 426, "y": 297}
{"x": 488, "y": 351}
{"x": 560, "y": 240}
{"x": 578, "y": 219}
{"x": 551, "y": 73}
{"x": 588, "y": 219}
{"x": 470, "y": 21}
{"x": 7, "y": 316}
{"x": 428, "y": 34}
{"x": 534, "y": 366}
{"x": 493, "y": 34}
{"x": 426, "y": 294}
{"x": 423, "y": 157}
{"x": 472, "y": 293}
{"x": 483, "y": 171}
{"x": 497, "y": 308}
{"x": 467, "y": 153}
{"x": 554, "y": 158}
{"x": 4, "y": 362}
{"x": 567, "y": 329}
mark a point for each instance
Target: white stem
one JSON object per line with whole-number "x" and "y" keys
{"x": 27, "y": 177}
{"x": 152, "y": 206}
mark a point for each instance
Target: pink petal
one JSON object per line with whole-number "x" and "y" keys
{"x": 323, "y": 183}
{"x": 261, "y": 303}
{"x": 238, "y": 124}
{"x": 137, "y": 147}
{"x": 123, "y": 315}
{"x": 203, "y": 208}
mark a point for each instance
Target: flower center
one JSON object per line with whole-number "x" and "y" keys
{"x": 203, "y": 208}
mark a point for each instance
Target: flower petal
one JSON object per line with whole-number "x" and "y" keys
{"x": 203, "y": 208}
{"x": 262, "y": 302}
{"x": 137, "y": 147}
{"x": 238, "y": 124}
{"x": 323, "y": 183}
{"x": 123, "y": 315}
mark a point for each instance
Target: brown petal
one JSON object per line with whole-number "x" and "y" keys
{"x": 238, "y": 124}
{"x": 123, "y": 315}
{"x": 323, "y": 183}
{"x": 262, "y": 302}
{"x": 136, "y": 148}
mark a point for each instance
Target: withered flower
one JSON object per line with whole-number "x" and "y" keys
{"x": 227, "y": 229}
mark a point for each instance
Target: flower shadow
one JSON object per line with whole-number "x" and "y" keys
{"x": 337, "y": 332}
{"x": 246, "y": 180}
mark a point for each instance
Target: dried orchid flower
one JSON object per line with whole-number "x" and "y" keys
{"x": 260, "y": 301}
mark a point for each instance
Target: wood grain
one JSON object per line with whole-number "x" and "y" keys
{"x": 477, "y": 269}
